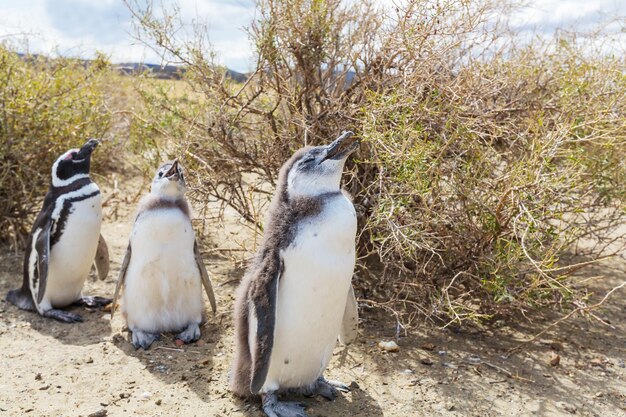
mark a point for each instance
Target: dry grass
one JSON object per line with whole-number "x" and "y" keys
{"x": 46, "y": 107}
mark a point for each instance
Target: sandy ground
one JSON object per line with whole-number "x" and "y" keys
{"x": 90, "y": 369}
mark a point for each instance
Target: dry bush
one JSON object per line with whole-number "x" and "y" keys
{"x": 46, "y": 107}
{"x": 484, "y": 167}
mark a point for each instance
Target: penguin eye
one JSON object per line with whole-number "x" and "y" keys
{"x": 160, "y": 174}
{"x": 309, "y": 160}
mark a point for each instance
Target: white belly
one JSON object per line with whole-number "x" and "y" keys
{"x": 72, "y": 256}
{"x": 162, "y": 289}
{"x": 312, "y": 294}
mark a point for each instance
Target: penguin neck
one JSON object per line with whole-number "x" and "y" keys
{"x": 58, "y": 182}
{"x": 77, "y": 182}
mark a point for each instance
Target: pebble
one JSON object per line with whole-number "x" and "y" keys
{"x": 426, "y": 361}
{"x": 473, "y": 359}
{"x": 555, "y": 360}
{"x": 388, "y": 346}
{"x": 100, "y": 413}
{"x": 146, "y": 395}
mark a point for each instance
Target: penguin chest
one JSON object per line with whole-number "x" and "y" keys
{"x": 163, "y": 287}
{"x": 312, "y": 294}
{"x": 73, "y": 254}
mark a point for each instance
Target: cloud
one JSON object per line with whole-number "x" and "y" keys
{"x": 80, "y": 27}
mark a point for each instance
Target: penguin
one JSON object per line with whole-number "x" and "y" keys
{"x": 162, "y": 271}
{"x": 64, "y": 242}
{"x": 296, "y": 298}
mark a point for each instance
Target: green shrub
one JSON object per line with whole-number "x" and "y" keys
{"x": 485, "y": 166}
{"x": 46, "y": 107}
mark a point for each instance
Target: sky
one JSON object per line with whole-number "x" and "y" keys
{"x": 78, "y": 28}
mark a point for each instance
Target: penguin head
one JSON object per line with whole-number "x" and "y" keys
{"x": 73, "y": 164}
{"x": 317, "y": 170}
{"x": 169, "y": 180}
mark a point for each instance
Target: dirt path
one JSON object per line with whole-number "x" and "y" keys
{"x": 54, "y": 369}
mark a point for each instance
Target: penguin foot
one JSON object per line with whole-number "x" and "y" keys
{"x": 21, "y": 300}
{"x": 190, "y": 334}
{"x": 92, "y": 301}
{"x": 274, "y": 408}
{"x": 143, "y": 339}
{"x": 324, "y": 388}
{"x": 64, "y": 316}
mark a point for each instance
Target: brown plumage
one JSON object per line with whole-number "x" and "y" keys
{"x": 281, "y": 223}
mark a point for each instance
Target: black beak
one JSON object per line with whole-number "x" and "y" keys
{"x": 173, "y": 171}
{"x": 87, "y": 149}
{"x": 343, "y": 146}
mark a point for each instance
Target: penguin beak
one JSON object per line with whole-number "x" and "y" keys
{"x": 86, "y": 149}
{"x": 174, "y": 172}
{"x": 343, "y": 146}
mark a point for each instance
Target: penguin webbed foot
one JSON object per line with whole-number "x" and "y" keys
{"x": 21, "y": 300}
{"x": 274, "y": 408}
{"x": 63, "y": 316}
{"x": 143, "y": 339}
{"x": 190, "y": 334}
{"x": 324, "y": 388}
{"x": 92, "y": 301}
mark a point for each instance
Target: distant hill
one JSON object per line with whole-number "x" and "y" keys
{"x": 171, "y": 72}
{"x": 168, "y": 72}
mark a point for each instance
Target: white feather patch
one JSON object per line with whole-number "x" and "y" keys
{"x": 32, "y": 266}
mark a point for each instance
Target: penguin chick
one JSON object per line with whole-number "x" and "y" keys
{"x": 296, "y": 298}
{"x": 162, "y": 271}
{"x": 64, "y": 240}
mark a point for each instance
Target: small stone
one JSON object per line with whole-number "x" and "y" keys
{"x": 473, "y": 359}
{"x": 451, "y": 407}
{"x": 354, "y": 385}
{"x": 38, "y": 377}
{"x": 426, "y": 361}
{"x": 124, "y": 395}
{"x": 146, "y": 395}
{"x": 596, "y": 362}
{"x": 556, "y": 346}
{"x": 89, "y": 360}
{"x": 599, "y": 394}
{"x": 388, "y": 346}
{"x": 200, "y": 343}
{"x": 158, "y": 402}
{"x": 621, "y": 364}
{"x": 428, "y": 346}
{"x": 555, "y": 360}
{"x": 99, "y": 413}
{"x": 442, "y": 353}
{"x": 179, "y": 342}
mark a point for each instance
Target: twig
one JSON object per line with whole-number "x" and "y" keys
{"x": 507, "y": 373}
{"x": 568, "y": 315}
{"x": 167, "y": 348}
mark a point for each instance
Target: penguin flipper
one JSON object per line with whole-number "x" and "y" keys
{"x": 101, "y": 260}
{"x": 350, "y": 322}
{"x": 204, "y": 275}
{"x": 38, "y": 278}
{"x": 120, "y": 279}
{"x": 262, "y": 294}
